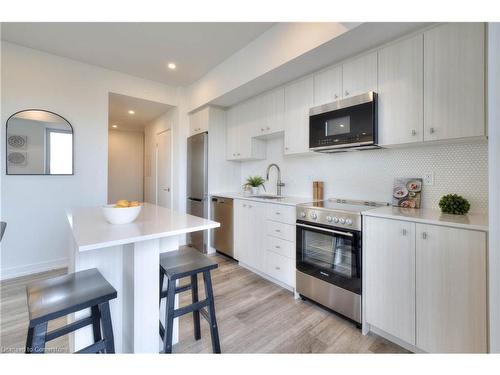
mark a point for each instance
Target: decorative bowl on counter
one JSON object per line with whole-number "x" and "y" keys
{"x": 120, "y": 215}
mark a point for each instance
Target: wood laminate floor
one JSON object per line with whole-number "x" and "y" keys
{"x": 254, "y": 316}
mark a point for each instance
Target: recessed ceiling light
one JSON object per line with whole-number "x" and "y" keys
{"x": 171, "y": 66}
{"x": 114, "y": 126}
{"x": 130, "y": 112}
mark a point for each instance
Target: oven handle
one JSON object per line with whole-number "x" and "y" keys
{"x": 325, "y": 230}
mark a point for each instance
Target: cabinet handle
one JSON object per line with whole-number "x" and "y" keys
{"x": 413, "y": 132}
{"x": 238, "y": 154}
{"x": 335, "y": 96}
{"x": 277, "y": 246}
{"x": 278, "y": 213}
{"x": 249, "y": 206}
{"x": 244, "y": 205}
{"x": 268, "y": 128}
{"x": 277, "y": 230}
{"x": 424, "y": 235}
{"x": 277, "y": 268}
{"x": 346, "y": 93}
{"x": 261, "y": 129}
{"x": 286, "y": 148}
{"x": 431, "y": 130}
{"x": 404, "y": 232}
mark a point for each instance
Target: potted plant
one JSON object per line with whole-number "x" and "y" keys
{"x": 254, "y": 183}
{"x": 454, "y": 204}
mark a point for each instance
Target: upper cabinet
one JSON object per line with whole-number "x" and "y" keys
{"x": 299, "y": 98}
{"x": 198, "y": 121}
{"x": 240, "y": 132}
{"x": 328, "y": 85}
{"x": 359, "y": 75}
{"x": 454, "y": 81}
{"x": 269, "y": 111}
{"x": 401, "y": 92}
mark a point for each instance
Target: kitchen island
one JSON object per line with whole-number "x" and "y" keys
{"x": 128, "y": 257}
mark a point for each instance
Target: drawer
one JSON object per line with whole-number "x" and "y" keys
{"x": 280, "y": 230}
{"x": 282, "y": 247}
{"x": 281, "y": 213}
{"x": 279, "y": 267}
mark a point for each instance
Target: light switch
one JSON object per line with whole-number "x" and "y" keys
{"x": 429, "y": 178}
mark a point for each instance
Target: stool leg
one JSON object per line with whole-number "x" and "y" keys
{"x": 162, "y": 277}
{"x": 36, "y": 339}
{"x": 96, "y": 323}
{"x": 169, "y": 317}
{"x": 107, "y": 327}
{"x": 196, "y": 313}
{"x": 214, "y": 331}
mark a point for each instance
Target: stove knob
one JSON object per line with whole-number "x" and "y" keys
{"x": 302, "y": 214}
{"x": 314, "y": 216}
{"x": 335, "y": 219}
{"x": 348, "y": 221}
{"x": 342, "y": 220}
{"x": 329, "y": 218}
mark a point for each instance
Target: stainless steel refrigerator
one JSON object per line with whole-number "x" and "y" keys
{"x": 197, "y": 186}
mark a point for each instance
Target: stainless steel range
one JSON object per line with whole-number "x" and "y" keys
{"x": 329, "y": 253}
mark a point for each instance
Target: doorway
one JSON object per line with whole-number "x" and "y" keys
{"x": 139, "y": 150}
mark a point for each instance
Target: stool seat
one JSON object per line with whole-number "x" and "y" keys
{"x": 63, "y": 295}
{"x": 53, "y": 298}
{"x": 182, "y": 263}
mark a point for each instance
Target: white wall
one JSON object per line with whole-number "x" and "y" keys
{"x": 494, "y": 158}
{"x": 34, "y": 206}
{"x": 125, "y": 165}
{"x": 278, "y": 45}
{"x": 369, "y": 175}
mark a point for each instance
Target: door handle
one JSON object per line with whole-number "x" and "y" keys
{"x": 325, "y": 230}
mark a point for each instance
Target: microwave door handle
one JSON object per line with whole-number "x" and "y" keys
{"x": 326, "y": 230}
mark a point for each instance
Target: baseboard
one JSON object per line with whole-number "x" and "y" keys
{"x": 13, "y": 272}
{"x": 267, "y": 277}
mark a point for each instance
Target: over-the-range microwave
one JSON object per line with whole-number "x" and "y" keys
{"x": 345, "y": 125}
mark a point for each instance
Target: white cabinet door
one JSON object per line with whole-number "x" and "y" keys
{"x": 232, "y": 133}
{"x": 389, "y": 271}
{"x": 328, "y": 85}
{"x": 360, "y": 75}
{"x": 198, "y": 121}
{"x": 401, "y": 92}
{"x": 256, "y": 214}
{"x": 298, "y": 100}
{"x": 454, "y": 81}
{"x": 274, "y": 109}
{"x": 451, "y": 290}
{"x": 240, "y": 231}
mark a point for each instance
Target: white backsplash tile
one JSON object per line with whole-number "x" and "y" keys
{"x": 460, "y": 168}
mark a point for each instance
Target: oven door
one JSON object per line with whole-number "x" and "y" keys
{"x": 347, "y": 123}
{"x": 331, "y": 254}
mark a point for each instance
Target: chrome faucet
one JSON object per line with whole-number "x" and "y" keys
{"x": 279, "y": 184}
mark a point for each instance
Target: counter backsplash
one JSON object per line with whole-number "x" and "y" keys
{"x": 460, "y": 168}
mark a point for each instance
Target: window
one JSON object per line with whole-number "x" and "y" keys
{"x": 59, "y": 152}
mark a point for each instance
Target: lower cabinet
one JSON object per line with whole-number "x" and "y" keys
{"x": 426, "y": 284}
{"x": 264, "y": 239}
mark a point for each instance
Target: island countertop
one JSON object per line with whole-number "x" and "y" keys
{"x": 91, "y": 231}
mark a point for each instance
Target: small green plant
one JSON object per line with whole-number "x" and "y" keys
{"x": 454, "y": 204}
{"x": 254, "y": 181}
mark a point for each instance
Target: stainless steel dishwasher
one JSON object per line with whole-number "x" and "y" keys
{"x": 222, "y": 237}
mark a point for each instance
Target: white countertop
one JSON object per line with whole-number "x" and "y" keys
{"x": 91, "y": 231}
{"x": 430, "y": 216}
{"x": 285, "y": 200}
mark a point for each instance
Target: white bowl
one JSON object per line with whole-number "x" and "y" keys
{"x": 124, "y": 215}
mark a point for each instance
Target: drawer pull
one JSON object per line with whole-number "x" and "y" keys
{"x": 277, "y": 231}
{"x": 278, "y": 247}
{"x": 278, "y": 213}
{"x": 277, "y": 268}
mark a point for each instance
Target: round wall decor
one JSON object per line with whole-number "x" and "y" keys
{"x": 18, "y": 158}
{"x": 16, "y": 141}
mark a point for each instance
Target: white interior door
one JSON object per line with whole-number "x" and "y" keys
{"x": 164, "y": 169}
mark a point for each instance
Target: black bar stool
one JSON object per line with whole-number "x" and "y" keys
{"x": 3, "y": 225}
{"x": 52, "y": 298}
{"x": 175, "y": 265}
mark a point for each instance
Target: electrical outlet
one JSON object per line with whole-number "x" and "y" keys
{"x": 429, "y": 178}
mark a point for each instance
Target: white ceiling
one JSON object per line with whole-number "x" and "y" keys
{"x": 140, "y": 49}
{"x": 145, "y": 112}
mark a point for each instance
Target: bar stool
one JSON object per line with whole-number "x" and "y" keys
{"x": 175, "y": 265}
{"x": 59, "y": 296}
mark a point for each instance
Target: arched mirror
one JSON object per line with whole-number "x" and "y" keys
{"x": 39, "y": 143}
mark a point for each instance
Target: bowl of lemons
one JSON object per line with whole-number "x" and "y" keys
{"x": 122, "y": 212}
